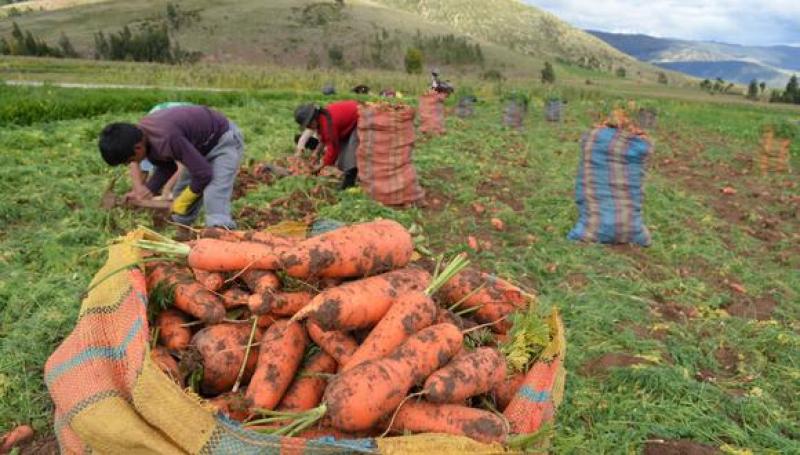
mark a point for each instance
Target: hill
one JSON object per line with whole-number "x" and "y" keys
{"x": 731, "y": 62}
{"x": 366, "y": 33}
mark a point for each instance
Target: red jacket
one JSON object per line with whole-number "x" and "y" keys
{"x": 344, "y": 115}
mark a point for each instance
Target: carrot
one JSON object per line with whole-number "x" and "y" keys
{"x": 221, "y": 256}
{"x": 472, "y": 289}
{"x": 235, "y": 297}
{"x": 16, "y": 437}
{"x": 423, "y": 417}
{"x": 357, "y": 250}
{"x": 362, "y": 303}
{"x": 266, "y": 320}
{"x": 213, "y": 281}
{"x": 279, "y": 303}
{"x": 358, "y": 398}
{"x": 221, "y": 234}
{"x": 189, "y": 295}
{"x": 280, "y": 354}
{"x": 234, "y": 405}
{"x": 171, "y": 332}
{"x": 261, "y": 281}
{"x": 249, "y": 236}
{"x": 467, "y": 375}
{"x": 505, "y": 391}
{"x": 444, "y": 315}
{"x": 222, "y": 348}
{"x": 338, "y": 345}
{"x": 306, "y": 390}
{"x": 167, "y": 364}
{"x": 411, "y": 312}
{"x": 497, "y": 314}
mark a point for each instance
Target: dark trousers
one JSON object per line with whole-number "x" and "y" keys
{"x": 349, "y": 179}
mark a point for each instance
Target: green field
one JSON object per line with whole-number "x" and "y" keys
{"x": 694, "y": 338}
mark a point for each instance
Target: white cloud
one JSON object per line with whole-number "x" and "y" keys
{"x": 732, "y": 21}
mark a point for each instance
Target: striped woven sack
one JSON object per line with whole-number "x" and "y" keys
{"x": 609, "y": 188}
{"x": 386, "y": 143}
{"x": 431, "y": 113}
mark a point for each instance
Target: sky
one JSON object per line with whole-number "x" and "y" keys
{"x": 745, "y": 22}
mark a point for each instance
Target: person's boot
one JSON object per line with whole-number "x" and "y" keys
{"x": 349, "y": 179}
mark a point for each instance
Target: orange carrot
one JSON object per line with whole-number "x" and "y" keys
{"x": 167, "y": 364}
{"x": 279, "y": 303}
{"x": 266, "y": 320}
{"x": 473, "y": 289}
{"x": 16, "y": 437}
{"x": 498, "y": 314}
{"x": 362, "y": 303}
{"x": 171, "y": 332}
{"x": 444, "y": 315}
{"x": 338, "y": 345}
{"x": 222, "y": 348}
{"x": 358, "y": 250}
{"x": 249, "y": 236}
{"x": 505, "y": 391}
{"x": 221, "y": 234}
{"x": 234, "y": 405}
{"x": 423, "y": 417}
{"x": 306, "y": 390}
{"x": 465, "y": 376}
{"x": 280, "y": 354}
{"x": 221, "y": 256}
{"x": 358, "y": 398}
{"x": 189, "y": 295}
{"x": 410, "y": 313}
{"x": 235, "y": 297}
{"x": 261, "y": 281}
{"x": 213, "y": 281}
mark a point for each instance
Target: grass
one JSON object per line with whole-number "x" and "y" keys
{"x": 612, "y": 299}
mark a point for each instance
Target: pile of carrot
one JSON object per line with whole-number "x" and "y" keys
{"x": 338, "y": 334}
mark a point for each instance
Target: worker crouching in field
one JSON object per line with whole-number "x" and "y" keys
{"x": 205, "y": 142}
{"x": 335, "y": 125}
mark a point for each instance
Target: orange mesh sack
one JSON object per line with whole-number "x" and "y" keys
{"x": 386, "y": 143}
{"x": 431, "y": 113}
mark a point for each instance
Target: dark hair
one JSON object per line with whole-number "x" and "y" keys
{"x": 117, "y": 142}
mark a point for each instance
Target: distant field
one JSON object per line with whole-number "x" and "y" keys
{"x": 695, "y": 338}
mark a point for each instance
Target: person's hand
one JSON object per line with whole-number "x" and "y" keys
{"x": 138, "y": 194}
{"x": 315, "y": 168}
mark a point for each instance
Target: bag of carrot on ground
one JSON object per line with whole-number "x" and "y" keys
{"x": 111, "y": 394}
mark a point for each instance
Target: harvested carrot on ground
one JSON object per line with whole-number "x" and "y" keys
{"x": 279, "y": 303}
{"x": 266, "y": 320}
{"x": 171, "y": 331}
{"x": 16, "y": 437}
{"x": 496, "y": 314}
{"x": 358, "y": 398}
{"x": 505, "y": 391}
{"x": 280, "y": 354}
{"x": 261, "y": 281}
{"x": 235, "y": 297}
{"x": 362, "y": 249}
{"x": 471, "y": 289}
{"x": 338, "y": 345}
{"x": 471, "y": 374}
{"x": 189, "y": 295}
{"x": 167, "y": 364}
{"x": 423, "y": 417}
{"x": 309, "y": 385}
{"x": 222, "y": 348}
{"x": 362, "y": 303}
{"x": 213, "y": 281}
{"x": 234, "y": 405}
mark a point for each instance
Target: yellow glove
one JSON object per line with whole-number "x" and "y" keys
{"x": 184, "y": 201}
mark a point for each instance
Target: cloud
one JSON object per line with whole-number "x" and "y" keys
{"x": 732, "y": 21}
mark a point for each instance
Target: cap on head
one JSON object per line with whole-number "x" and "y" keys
{"x": 304, "y": 114}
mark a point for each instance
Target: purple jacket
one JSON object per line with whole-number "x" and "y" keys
{"x": 185, "y": 134}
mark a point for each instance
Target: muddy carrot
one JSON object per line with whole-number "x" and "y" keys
{"x": 362, "y": 303}
{"x": 338, "y": 345}
{"x": 423, "y": 417}
{"x": 472, "y": 289}
{"x": 471, "y": 374}
{"x": 279, "y": 303}
{"x": 307, "y": 388}
{"x": 261, "y": 281}
{"x": 213, "y": 281}
{"x": 235, "y": 297}
{"x": 167, "y": 364}
{"x": 189, "y": 295}
{"x": 505, "y": 391}
{"x": 222, "y": 348}
{"x": 171, "y": 332}
{"x": 280, "y": 354}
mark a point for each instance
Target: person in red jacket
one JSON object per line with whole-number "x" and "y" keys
{"x": 336, "y": 126}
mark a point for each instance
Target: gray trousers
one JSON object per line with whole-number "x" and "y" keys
{"x": 216, "y": 198}
{"x": 347, "y": 152}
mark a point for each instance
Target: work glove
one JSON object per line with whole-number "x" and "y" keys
{"x": 184, "y": 201}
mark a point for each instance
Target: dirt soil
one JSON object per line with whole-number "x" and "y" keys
{"x": 600, "y": 366}
{"x": 678, "y": 447}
